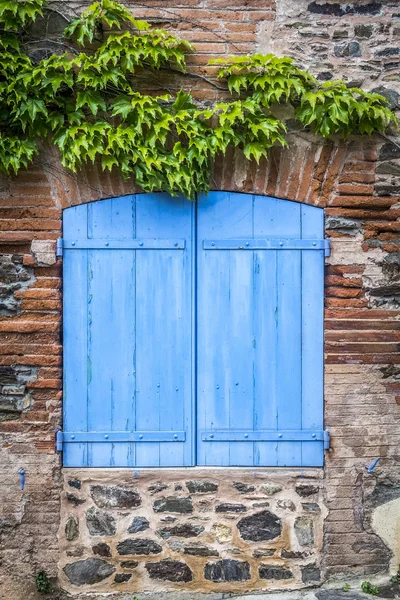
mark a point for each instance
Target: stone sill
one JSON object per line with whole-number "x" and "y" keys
{"x": 184, "y": 472}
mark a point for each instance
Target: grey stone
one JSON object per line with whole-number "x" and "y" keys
{"x": 310, "y": 574}
{"x": 385, "y": 491}
{"x": 393, "y": 51}
{"x": 227, "y": 570}
{"x": 75, "y": 552}
{"x": 122, "y": 577}
{"x": 325, "y": 76}
{"x": 387, "y": 189}
{"x": 270, "y": 488}
{"x": 197, "y": 549}
{"x": 129, "y": 564}
{"x": 286, "y": 505}
{"x": 71, "y": 529}
{"x": 260, "y": 527}
{"x": 388, "y": 168}
{"x": 173, "y": 504}
{"x": 138, "y": 546}
{"x": 201, "y": 487}
{"x": 100, "y": 522}
{"x": 138, "y": 524}
{"x": 343, "y": 225}
{"x": 335, "y": 594}
{"x": 391, "y": 96}
{"x": 15, "y": 396}
{"x": 101, "y": 549}
{"x": 89, "y": 571}
{"x": 74, "y": 499}
{"x": 178, "y": 487}
{"x": 311, "y": 507}
{"x": 243, "y": 488}
{"x": 304, "y": 530}
{"x": 75, "y": 483}
{"x": 363, "y": 31}
{"x": 305, "y": 490}
{"x": 185, "y": 530}
{"x": 263, "y": 552}
{"x": 274, "y": 572}
{"x": 115, "y": 497}
{"x": 230, "y": 507}
{"x": 293, "y": 554}
{"x": 339, "y": 10}
{"x": 14, "y": 276}
{"x": 169, "y": 570}
{"x": 345, "y": 50}
{"x": 340, "y": 34}
{"x": 157, "y": 487}
{"x": 389, "y": 151}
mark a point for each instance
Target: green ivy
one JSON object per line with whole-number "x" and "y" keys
{"x": 88, "y": 102}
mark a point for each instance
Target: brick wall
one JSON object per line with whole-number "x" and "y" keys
{"x": 358, "y": 185}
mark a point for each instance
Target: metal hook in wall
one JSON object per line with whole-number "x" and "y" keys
{"x": 370, "y": 468}
{"x": 21, "y": 473}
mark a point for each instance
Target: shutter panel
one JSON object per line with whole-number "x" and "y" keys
{"x": 128, "y": 332}
{"x": 260, "y": 332}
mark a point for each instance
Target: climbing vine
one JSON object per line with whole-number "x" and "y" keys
{"x": 87, "y": 101}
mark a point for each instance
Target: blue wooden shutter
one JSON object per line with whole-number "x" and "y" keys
{"x": 128, "y": 332}
{"x": 260, "y": 331}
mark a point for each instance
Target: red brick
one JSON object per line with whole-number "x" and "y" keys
{"x": 357, "y": 178}
{"x": 342, "y": 292}
{"x": 364, "y": 201}
{"x": 332, "y": 280}
{"x": 355, "y": 189}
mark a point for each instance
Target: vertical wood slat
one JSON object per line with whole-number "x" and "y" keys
{"x": 75, "y": 357}
{"x": 312, "y": 227}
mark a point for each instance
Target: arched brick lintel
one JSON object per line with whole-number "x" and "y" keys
{"x": 307, "y": 171}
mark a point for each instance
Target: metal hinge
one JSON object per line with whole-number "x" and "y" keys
{"x": 268, "y": 244}
{"x": 299, "y": 435}
{"x": 60, "y": 247}
{"x": 113, "y": 437}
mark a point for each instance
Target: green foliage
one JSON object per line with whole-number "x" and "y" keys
{"x": 335, "y": 108}
{"x": 346, "y": 587}
{"x": 42, "y": 582}
{"x": 266, "y": 77}
{"x": 368, "y": 588}
{"x": 16, "y": 14}
{"x": 89, "y": 105}
{"x": 99, "y": 15}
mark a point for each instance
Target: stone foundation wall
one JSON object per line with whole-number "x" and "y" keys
{"x": 226, "y": 530}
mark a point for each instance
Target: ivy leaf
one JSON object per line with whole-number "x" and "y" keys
{"x": 121, "y": 106}
{"x": 35, "y": 107}
{"x": 92, "y": 99}
{"x": 108, "y": 161}
{"x": 183, "y": 102}
{"x": 255, "y": 150}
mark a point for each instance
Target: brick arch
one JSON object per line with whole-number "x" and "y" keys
{"x": 307, "y": 171}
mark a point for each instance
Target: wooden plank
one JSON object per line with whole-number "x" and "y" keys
{"x": 164, "y": 330}
{"x": 225, "y": 327}
{"x": 75, "y": 337}
{"x": 111, "y": 389}
{"x": 312, "y": 334}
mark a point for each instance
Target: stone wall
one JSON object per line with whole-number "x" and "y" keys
{"x": 357, "y": 183}
{"x": 223, "y": 530}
